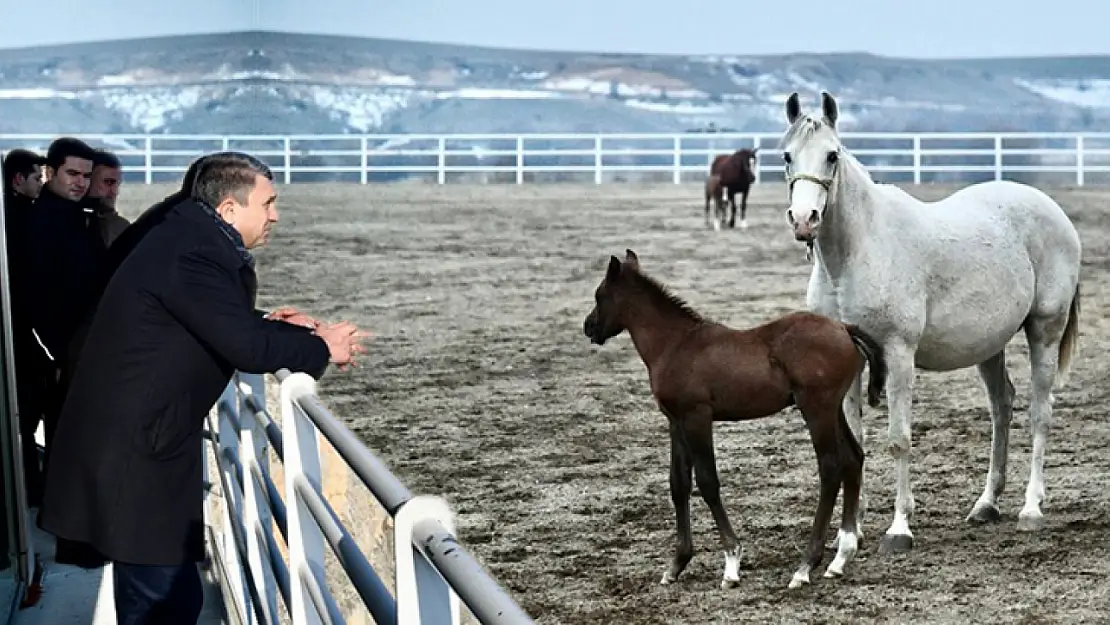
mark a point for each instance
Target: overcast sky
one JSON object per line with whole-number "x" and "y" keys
{"x": 933, "y": 29}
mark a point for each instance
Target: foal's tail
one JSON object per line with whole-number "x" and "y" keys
{"x": 1069, "y": 344}
{"x": 873, "y": 352}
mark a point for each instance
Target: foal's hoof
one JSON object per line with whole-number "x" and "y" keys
{"x": 727, "y": 583}
{"x": 895, "y": 543}
{"x": 668, "y": 578}
{"x": 1030, "y": 521}
{"x": 985, "y": 513}
{"x": 800, "y": 579}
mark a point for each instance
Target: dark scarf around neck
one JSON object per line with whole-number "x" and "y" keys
{"x": 230, "y": 232}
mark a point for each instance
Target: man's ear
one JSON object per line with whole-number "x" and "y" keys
{"x": 226, "y": 209}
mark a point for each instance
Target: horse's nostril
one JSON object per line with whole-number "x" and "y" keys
{"x": 813, "y": 216}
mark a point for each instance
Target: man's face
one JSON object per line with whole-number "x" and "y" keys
{"x": 71, "y": 180}
{"x": 105, "y": 184}
{"x": 29, "y": 184}
{"x": 254, "y": 219}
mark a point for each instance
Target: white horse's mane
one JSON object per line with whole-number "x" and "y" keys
{"x": 803, "y": 128}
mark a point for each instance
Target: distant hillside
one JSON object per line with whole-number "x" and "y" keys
{"x": 279, "y": 83}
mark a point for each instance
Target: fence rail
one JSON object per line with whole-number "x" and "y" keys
{"x": 433, "y": 571}
{"x": 1048, "y": 158}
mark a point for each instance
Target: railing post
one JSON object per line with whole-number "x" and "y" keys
{"x": 917, "y": 159}
{"x": 148, "y": 160}
{"x": 256, "y": 509}
{"x": 364, "y": 164}
{"x": 423, "y": 596}
{"x": 758, "y": 168}
{"x": 520, "y": 160}
{"x": 676, "y": 145}
{"x": 441, "y": 161}
{"x": 227, "y": 437}
{"x": 998, "y": 157}
{"x": 302, "y": 457}
{"x": 598, "y": 154}
{"x": 288, "y": 160}
{"x": 1079, "y": 164}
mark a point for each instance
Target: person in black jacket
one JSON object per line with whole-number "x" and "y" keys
{"x": 176, "y": 320}
{"x": 22, "y": 170}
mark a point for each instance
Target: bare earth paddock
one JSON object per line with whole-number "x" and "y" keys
{"x": 480, "y": 386}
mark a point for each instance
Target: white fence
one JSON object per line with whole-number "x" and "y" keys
{"x": 433, "y": 571}
{"x": 1045, "y": 158}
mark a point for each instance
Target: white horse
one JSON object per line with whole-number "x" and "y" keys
{"x": 942, "y": 285}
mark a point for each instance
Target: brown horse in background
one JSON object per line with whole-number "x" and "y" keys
{"x": 735, "y": 174}
{"x": 701, "y": 371}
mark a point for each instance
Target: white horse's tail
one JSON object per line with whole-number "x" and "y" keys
{"x": 1069, "y": 344}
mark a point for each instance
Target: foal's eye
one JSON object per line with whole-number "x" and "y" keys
{"x": 831, "y": 158}
{"x": 786, "y": 157}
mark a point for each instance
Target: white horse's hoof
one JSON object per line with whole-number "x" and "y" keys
{"x": 727, "y": 583}
{"x": 1030, "y": 521}
{"x": 743, "y": 224}
{"x": 896, "y": 543}
{"x": 667, "y": 579}
{"x": 984, "y": 513}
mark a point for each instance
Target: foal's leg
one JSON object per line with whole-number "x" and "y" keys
{"x": 680, "y": 496}
{"x": 821, "y": 420}
{"x": 899, "y": 392}
{"x": 732, "y": 208}
{"x": 1000, "y": 391}
{"x": 699, "y": 436}
{"x": 743, "y": 209}
{"x": 852, "y": 472}
{"x": 853, "y": 411}
{"x": 1043, "y": 335}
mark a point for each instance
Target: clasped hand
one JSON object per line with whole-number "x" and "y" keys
{"x": 344, "y": 339}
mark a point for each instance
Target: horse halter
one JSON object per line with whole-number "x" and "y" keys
{"x": 825, "y": 183}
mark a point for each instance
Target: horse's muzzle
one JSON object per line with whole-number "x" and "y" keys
{"x": 805, "y": 231}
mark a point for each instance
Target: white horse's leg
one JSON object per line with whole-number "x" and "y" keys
{"x": 1043, "y": 335}
{"x": 899, "y": 392}
{"x": 1000, "y": 391}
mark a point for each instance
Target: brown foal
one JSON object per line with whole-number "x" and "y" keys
{"x": 702, "y": 371}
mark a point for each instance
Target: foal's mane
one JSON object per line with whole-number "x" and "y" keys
{"x": 657, "y": 289}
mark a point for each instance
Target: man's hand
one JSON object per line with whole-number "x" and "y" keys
{"x": 344, "y": 341}
{"x": 289, "y": 314}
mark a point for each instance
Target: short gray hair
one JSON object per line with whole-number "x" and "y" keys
{"x": 227, "y": 174}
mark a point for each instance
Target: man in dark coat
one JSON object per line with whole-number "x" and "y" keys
{"x": 22, "y": 170}
{"x": 175, "y": 321}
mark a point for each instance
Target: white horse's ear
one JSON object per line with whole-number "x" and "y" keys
{"x": 829, "y": 108}
{"x": 793, "y": 108}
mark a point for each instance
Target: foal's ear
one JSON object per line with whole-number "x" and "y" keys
{"x": 793, "y": 108}
{"x": 631, "y": 258}
{"x": 829, "y": 108}
{"x": 614, "y": 271}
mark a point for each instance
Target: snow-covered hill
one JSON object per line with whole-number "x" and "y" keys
{"x": 304, "y": 84}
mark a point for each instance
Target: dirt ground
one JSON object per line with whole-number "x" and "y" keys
{"x": 481, "y": 387}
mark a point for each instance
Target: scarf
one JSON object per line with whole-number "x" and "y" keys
{"x": 230, "y": 232}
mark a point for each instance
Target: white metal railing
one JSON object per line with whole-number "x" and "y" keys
{"x": 1071, "y": 158}
{"x": 433, "y": 572}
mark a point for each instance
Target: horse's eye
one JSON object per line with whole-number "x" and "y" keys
{"x": 832, "y": 157}
{"x": 786, "y": 157}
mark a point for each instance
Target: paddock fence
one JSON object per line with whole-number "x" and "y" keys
{"x": 921, "y": 158}
{"x": 265, "y": 474}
